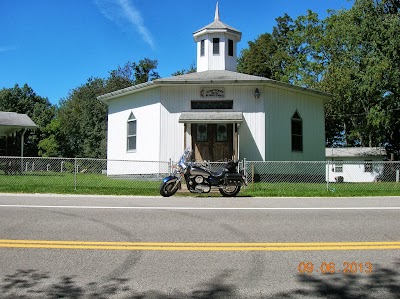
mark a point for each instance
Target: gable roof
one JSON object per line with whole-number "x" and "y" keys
{"x": 210, "y": 77}
{"x": 11, "y": 122}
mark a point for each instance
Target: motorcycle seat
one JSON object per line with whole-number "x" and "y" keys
{"x": 219, "y": 174}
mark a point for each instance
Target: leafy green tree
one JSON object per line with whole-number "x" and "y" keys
{"x": 80, "y": 130}
{"x": 192, "y": 69}
{"x": 363, "y": 70}
{"x": 270, "y": 55}
{"x": 133, "y": 73}
{"x": 25, "y": 101}
{"x": 352, "y": 54}
{"x": 145, "y": 70}
{"x": 83, "y": 121}
{"x": 259, "y": 58}
{"x": 52, "y": 145}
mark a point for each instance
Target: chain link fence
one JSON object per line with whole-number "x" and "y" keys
{"x": 324, "y": 175}
{"x": 84, "y": 175}
{"x": 144, "y": 177}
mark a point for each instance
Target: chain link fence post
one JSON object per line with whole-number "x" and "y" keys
{"x": 245, "y": 170}
{"x": 252, "y": 176}
{"x": 75, "y": 173}
{"x": 327, "y": 176}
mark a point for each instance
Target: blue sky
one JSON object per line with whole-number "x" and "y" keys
{"x": 56, "y": 45}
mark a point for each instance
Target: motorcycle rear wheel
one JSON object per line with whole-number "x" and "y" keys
{"x": 169, "y": 188}
{"x": 229, "y": 191}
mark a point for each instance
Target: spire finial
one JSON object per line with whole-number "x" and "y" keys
{"x": 216, "y": 18}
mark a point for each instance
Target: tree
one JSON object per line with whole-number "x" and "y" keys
{"x": 352, "y": 54}
{"x": 83, "y": 121}
{"x": 363, "y": 73}
{"x": 134, "y": 73}
{"x": 192, "y": 69}
{"x": 259, "y": 58}
{"x": 145, "y": 70}
{"x": 269, "y": 55}
{"x": 52, "y": 145}
{"x": 25, "y": 101}
{"x": 81, "y": 126}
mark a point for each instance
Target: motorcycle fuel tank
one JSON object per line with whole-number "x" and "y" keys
{"x": 199, "y": 171}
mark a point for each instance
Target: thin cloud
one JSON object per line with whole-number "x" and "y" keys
{"x": 122, "y": 12}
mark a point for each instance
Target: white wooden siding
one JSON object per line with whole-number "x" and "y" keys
{"x": 216, "y": 62}
{"x": 252, "y": 130}
{"x": 176, "y": 99}
{"x": 202, "y": 61}
{"x": 264, "y": 135}
{"x": 353, "y": 172}
{"x": 280, "y": 105}
{"x": 146, "y": 108}
{"x": 222, "y": 61}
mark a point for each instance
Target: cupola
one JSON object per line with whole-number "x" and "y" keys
{"x": 216, "y": 46}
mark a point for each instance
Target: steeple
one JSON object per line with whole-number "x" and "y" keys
{"x": 216, "y": 45}
{"x": 216, "y": 18}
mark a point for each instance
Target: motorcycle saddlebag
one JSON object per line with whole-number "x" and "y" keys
{"x": 234, "y": 179}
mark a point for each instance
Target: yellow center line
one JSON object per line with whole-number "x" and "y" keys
{"x": 176, "y": 246}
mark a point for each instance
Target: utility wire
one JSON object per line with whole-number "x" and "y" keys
{"x": 357, "y": 114}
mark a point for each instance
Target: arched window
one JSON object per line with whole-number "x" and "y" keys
{"x": 297, "y": 133}
{"x": 131, "y": 133}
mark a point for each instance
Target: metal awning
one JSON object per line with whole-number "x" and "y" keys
{"x": 211, "y": 117}
{"x": 11, "y": 122}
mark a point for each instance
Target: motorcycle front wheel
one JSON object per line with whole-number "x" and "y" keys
{"x": 168, "y": 188}
{"x": 229, "y": 191}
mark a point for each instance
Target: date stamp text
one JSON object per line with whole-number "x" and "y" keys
{"x": 307, "y": 267}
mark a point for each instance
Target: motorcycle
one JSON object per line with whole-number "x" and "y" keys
{"x": 199, "y": 179}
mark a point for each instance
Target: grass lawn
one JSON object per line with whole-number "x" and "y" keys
{"x": 67, "y": 183}
{"x": 322, "y": 189}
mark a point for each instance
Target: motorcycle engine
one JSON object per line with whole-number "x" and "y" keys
{"x": 202, "y": 188}
{"x": 199, "y": 184}
{"x": 199, "y": 179}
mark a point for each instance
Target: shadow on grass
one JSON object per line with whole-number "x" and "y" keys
{"x": 383, "y": 283}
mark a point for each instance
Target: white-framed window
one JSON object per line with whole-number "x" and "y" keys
{"x": 368, "y": 166}
{"x": 297, "y": 132}
{"x": 338, "y": 167}
{"x": 131, "y": 133}
{"x": 230, "y": 47}
{"x": 202, "y": 47}
{"x": 216, "y": 46}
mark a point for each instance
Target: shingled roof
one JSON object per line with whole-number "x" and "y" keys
{"x": 209, "y": 77}
{"x": 222, "y": 76}
{"x": 217, "y": 25}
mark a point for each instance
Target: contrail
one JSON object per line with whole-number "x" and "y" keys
{"x": 123, "y": 11}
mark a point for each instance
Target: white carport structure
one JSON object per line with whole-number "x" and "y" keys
{"x": 11, "y": 122}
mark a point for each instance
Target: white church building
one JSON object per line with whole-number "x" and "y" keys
{"x": 218, "y": 112}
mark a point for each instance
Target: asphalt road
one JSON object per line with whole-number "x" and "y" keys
{"x": 115, "y": 247}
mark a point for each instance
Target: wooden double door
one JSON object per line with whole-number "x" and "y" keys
{"x": 212, "y": 142}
